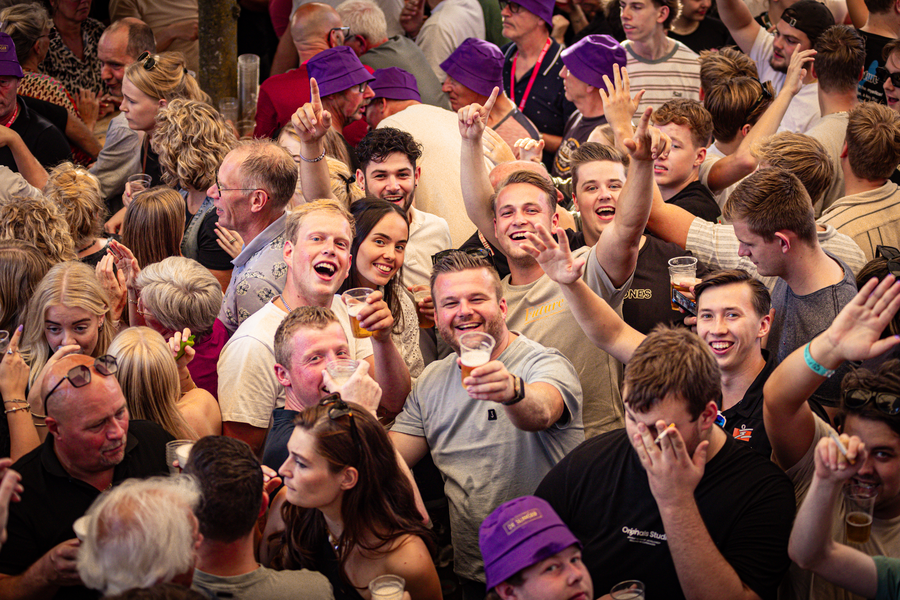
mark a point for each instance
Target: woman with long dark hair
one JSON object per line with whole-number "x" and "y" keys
{"x": 349, "y": 511}
{"x": 378, "y": 250}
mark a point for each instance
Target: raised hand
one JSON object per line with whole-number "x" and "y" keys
{"x": 529, "y": 149}
{"x": 618, "y": 105}
{"x": 796, "y": 72}
{"x": 855, "y": 334}
{"x": 554, "y": 257}
{"x": 673, "y": 474}
{"x": 831, "y": 464}
{"x": 495, "y": 147}
{"x": 175, "y": 346}
{"x": 412, "y": 17}
{"x": 125, "y": 262}
{"x": 311, "y": 121}
{"x": 473, "y": 118}
{"x": 13, "y": 370}
{"x": 648, "y": 143}
{"x": 114, "y": 282}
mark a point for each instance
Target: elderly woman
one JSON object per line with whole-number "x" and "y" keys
{"x": 72, "y": 57}
{"x": 192, "y": 139}
{"x": 177, "y": 294}
{"x": 77, "y": 193}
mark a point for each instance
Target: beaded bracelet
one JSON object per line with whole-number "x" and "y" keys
{"x": 312, "y": 160}
{"x": 15, "y": 401}
{"x": 17, "y": 409}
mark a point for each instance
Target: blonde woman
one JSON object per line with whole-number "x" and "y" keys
{"x": 192, "y": 139}
{"x": 159, "y": 390}
{"x": 77, "y": 192}
{"x": 69, "y": 313}
{"x": 38, "y": 221}
{"x": 150, "y": 83}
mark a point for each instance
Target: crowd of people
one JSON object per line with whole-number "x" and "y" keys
{"x": 521, "y": 171}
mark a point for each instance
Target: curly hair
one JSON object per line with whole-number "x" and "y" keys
{"x": 154, "y": 225}
{"x": 167, "y": 79}
{"x": 379, "y": 507}
{"x": 192, "y": 140}
{"x": 77, "y": 192}
{"x": 40, "y": 222}
{"x": 384, "y": 141}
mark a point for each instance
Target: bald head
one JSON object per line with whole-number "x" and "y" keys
{"x": 311, "y": 29}
{"x": 504, "y": 170}
{"x": 66, "y": 395}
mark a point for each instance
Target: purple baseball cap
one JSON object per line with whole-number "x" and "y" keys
{"x": 519, "y": 534}
{"x": 476, "y": 64}
{"x": 592, "y": 57}
{"x": 9, "y": 62}
{"x": 394, "y": 83}
{"x": 539, "y": 8}
{"x": 336, "y": 70}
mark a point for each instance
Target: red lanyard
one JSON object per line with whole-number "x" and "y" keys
{"x": 12, "y": 119}
{"x": 534, "y": 72}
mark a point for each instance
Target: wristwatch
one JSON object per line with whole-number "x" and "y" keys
{"x": 518, "y": 389}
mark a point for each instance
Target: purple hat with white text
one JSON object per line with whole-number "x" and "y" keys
{"x": 518, "y": 534}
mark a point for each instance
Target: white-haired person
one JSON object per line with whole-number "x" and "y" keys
{"x": 141, "y": 533}
{"x": 178, "y": 293}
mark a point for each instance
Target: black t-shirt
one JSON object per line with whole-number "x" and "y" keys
{"x": 744, "y": 420}
{"x": 209, "y": 253}
{"x": 47, "y": 143}
{"x": 648, "y": 302}
{"x": 578, "y": 130}
{"x": 52, "y": 500}
{"x": 711, "y": 33}
{"x": 870, "y": 89}
{"x": 697, "y": 200}
{"x": 600, "y": 490}
{"x": 546, "y": 104}
{"x": 56, "y": 114}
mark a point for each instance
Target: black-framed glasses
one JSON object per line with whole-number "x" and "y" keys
{"x": 476, "y": 252}
{"x": 80, "y": 375}
{"x": 337, "y": 408}
{"x": 892, "y": 255}
{"x": 361, "y": 88}
{"x": 147, "y": 59}
{"x": 225, "y": 189}
{"x": 764, "y": 95}
{"x": 883, "y": 75}
{"x": 885, "y": 402}
{"x": 514, "y": 7}
{"x": 344, "y": 30}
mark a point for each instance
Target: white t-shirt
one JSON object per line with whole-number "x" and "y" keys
{"x": 428, "y": 235}
{"x": 804, "y": 108}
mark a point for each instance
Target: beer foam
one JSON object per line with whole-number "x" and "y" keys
{"x": 475, "y": 358}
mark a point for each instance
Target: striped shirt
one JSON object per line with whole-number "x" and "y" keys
{"x": 870, "y": 219}
{"x": 717, "y": 246}
{"x": 675, "y": 75}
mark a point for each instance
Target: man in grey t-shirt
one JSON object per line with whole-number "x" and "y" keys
{"x": 496, "y": 433}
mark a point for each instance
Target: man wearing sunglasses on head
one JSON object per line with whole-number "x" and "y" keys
{"x": 870, "y": 410}
{"x": 91, "y": 446}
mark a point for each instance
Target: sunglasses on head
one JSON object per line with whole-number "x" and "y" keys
{"x": 337, "y": 408}
{"x": 885, "y": 402}
{"x": 765, "y": 94}
{"x": 80, "y": 375}
{"x": 148, "y": 60}
{"x": 892, "y": 256}
{"x": 883, "y": 75}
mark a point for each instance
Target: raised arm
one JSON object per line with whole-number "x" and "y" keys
{"x": 737, "y": 18}
{"x": 618, "y": 246}
{"x": 853, "y": 335}
{"x": 812, "y": 546}
{"x": 312, "y": 122}
{"x": 599, "y": 321}
{"x": 476, "y": 184}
